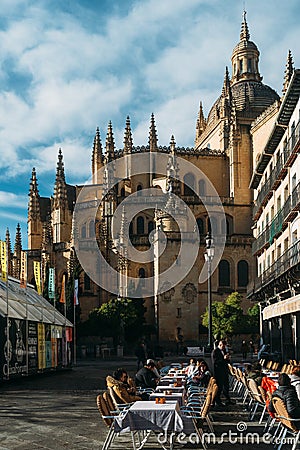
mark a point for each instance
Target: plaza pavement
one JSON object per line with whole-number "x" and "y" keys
{"x": 58, "y": 411}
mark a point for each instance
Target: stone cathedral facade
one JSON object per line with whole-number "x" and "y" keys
{"x": 223, "y": 151}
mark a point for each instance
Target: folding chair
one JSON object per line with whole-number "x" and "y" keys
{"x": 287, "y": 423}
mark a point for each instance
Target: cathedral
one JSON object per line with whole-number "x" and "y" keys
{"x": 223, "y": 152}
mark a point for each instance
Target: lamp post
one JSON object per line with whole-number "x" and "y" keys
{"x": 209, "y": 255}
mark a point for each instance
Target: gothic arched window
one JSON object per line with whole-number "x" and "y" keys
{"x": 91, "y": 228}
{"x": 189, "y": 184}
{"x": 243, "y": 273}
{"x": 202, "y": 187}
{"x": 83, "y": 231}
{"x": 140, "y": 225}
{"x": 212, "y": 225}
{"x": 142, "y": 273}
{"x": 87, "y": 282}
{"x": 224, "y": 273}
{"x": 200, "y": 226}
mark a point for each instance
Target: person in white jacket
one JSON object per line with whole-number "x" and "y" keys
{"x": 295, "y": 379}
{"x": 190, "y": 369}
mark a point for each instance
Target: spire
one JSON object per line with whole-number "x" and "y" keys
{"x": 226, "y": 90}
{"x": 245, "y": 57}
{"x": 289, "y": 69}
{"x": 97, "y": 156}
{"x": 128, "y": 142}
{"x": 201, "y": 122}
{"x": 18, "y": 242}
{"x": 110, "y": 145}
{"x": 9, "y": 252}
{"x": 172, "y": 145}
{"x": 34, "y": 198}
{"x": 173, "y": 169}
{"x": 244, "y": 35}
{"x": 47, "y": 234}
{"x": 17, "y": 253}
{"x": 152, "y": 135}
{"x": 60, "y": 188}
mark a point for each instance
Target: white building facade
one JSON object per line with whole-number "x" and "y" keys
{"x": 276, "y": 180}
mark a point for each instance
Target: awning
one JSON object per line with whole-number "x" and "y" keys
{"x": 289, "y": 306}
{"x": 26, "y": 304}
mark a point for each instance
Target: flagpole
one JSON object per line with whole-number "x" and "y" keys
{"x": 74, "y": 333}
{"x": 7, "y": 312}
{"x": 26, "y": 300}
{"x": 75, "y": 303}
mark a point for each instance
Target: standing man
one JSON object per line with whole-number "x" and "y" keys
{"x": 220, "y": 360}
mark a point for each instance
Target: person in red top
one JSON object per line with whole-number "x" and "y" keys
{"x": 268, "y": 384}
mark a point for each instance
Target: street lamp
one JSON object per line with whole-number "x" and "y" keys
{"x": 209, "y": 255}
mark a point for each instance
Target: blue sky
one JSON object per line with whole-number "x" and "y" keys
{"x": 69, "y": 66}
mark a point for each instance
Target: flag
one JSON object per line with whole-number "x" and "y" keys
{"x": 23, "y": 272}
{"x": 51, "y": 283}
{"x": 76, "y": 301}
{"x": 4, "y": 264}
{"x": 37, "y": 276}
{"x": 63, "y": 290}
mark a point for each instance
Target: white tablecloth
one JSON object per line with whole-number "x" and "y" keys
{"x": 147, "y": 415}
{"x": 170, "y": 387}
{"x": 175, "y": 396}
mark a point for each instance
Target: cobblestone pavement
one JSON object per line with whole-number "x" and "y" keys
{"x": 58, "y": 411}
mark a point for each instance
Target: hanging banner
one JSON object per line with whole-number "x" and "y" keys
{"x": 41, "y": 346}
{"x": 3, "y": 257}
{"x": 37, "y": 276}
{"x": 76, "y": 301}
{"x": 23, "y": 272}
{"x": 51, "y": 283}
{"x": 63, "y": 290}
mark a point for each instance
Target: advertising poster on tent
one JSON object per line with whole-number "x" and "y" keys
{"x": 32, "y": 347}
{"x": 2, "y": 335}
{"x": 48, "y": 346}
{"x": 17, "y": 333}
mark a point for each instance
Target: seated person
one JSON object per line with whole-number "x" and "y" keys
{"x": 190, "y": 369}
{"x": 287, "y": 393}
{"x": 155, "y": 371}
{"x": 119, "y": 384}
{"x": 255, "y": 373}
{"x": 203, "y": 375}
{"x": 146, "y": 377}
{"x": 295, "y": 379}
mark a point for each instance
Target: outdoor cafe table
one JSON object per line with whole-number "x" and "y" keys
{"x": 173, "y": 379}
{"x": 149, "y": 416}
{"x": 169, "y": 387}
{"x": 179, "y": 396}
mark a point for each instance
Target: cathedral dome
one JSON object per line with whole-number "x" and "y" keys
{"x": 250, "y": 98}
{"x": 245, "y": 91}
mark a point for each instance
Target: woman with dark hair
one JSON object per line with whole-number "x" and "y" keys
{"x": 203, "y": 375}
{"x": 119, "y": 384}
{"x": 287, "y": 393}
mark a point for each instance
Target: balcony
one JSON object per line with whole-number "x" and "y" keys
{"x": 285, "y": 262}
{"x": 286, "y": 159}
{"x": 287, "y": 213}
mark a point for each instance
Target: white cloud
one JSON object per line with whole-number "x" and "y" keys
{"x": 12, "y": 200}
{"x": 64, "y": 74}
